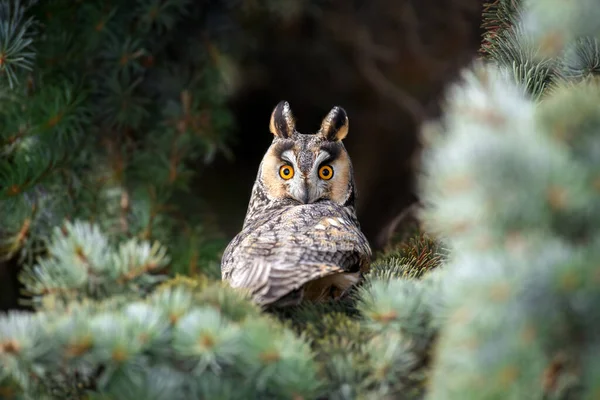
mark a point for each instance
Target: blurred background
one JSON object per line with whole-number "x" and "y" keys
{"x": 218, "y": 67}
{"x": 386, "y": 62}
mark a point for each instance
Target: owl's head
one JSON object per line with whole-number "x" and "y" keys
{"x": 308, "y": 167}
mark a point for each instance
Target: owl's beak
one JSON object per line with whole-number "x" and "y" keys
{"x": 301, "y": 190}
{"x": 305, "y": 195}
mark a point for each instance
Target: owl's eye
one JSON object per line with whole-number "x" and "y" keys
{"x": 286, "y": 172}
{"x": 325, "y": 172}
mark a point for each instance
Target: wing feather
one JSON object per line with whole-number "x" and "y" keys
{"x": 300, "y": 244}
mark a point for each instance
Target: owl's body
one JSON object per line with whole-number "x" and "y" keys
{"x": 301, "y": 239}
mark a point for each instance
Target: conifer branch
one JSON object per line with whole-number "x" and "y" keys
{"x": 16, "y": 39}
{"x": 82, "y": 264}
{"x": 203, "y": 339}
{"x": 518, "y": 166}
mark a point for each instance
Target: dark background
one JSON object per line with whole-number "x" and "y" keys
{"x": 386, "y": 62}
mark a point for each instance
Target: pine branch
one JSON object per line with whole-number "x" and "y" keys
{"x": 82, "y": 264}
{"x": 512, "y": 180}
{"x": 103, "y": 80}
{"x": 16, "y": 39}
{"x": 411, "y": 259}
{"x": 160, "y": 15}
{"x": 541, "y": 42}
{"x": 203, "y": 337}
{"x": 581, "y": 59}
{"x": 498, "y": 17}
{"x": 123, "y": 106}
{"x": 515, "y": 50}
{"x": 201, "y": 351}
{"x": 510, "y": 186}
{"x": 554, "y": 24}
{"x": 516, "y": 324}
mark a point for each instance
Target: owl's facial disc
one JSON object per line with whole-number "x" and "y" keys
{"x": 314, "y": 173}
{"x": 303, "y": 185}
{"x": 308, "y": 168}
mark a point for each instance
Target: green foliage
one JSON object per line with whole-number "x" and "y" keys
{"x": 201, "y": 338}
{"x": 497, "y": 19}
{"x": 510, "y": 185}
{"x": 472, "y": 207}
{"x": 103, "y": 125}
{"x": 541, "y": 42}
{"x": 497, "y": 299}
{"x": 376, "y": 343}
{"x": 580, "y": 59}
{"x": 16, "y": 40}
{"x": 412, "y": 258}
{"x": 554, "y": 24}
{"x": 106, "y": 327}
{"x": 107, "y": 120}
{"x": 81, "y": 264}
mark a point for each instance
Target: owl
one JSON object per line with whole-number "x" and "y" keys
{"x": 300, "y": 239}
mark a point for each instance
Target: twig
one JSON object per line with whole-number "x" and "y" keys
{"x": 391, "y": 91}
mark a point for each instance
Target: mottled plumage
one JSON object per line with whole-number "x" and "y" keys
{"x": 301, "y": 238}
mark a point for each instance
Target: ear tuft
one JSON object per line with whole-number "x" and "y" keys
{"x": 282, "y": 121}
{"x": 335, "y": 125}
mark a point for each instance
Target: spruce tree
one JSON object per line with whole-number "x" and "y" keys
{"x": 497, "y": 298}
{"x": 510, "y": 179}
{"x": 106, "y": 113}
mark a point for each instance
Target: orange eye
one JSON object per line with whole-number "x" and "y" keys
{"x": 286, "y": 172}
{"x": 325, "y": 172}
